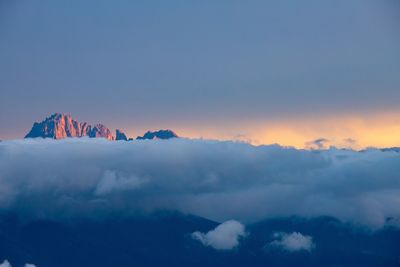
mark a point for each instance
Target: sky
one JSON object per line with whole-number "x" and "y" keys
{"x": 285, "y": 72}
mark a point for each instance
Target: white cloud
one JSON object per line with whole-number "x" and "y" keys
{"x": 217, "y": 180}
{"x": 224, "y": 236}
{"x": 111, "y": 181}
{"x": 293, "y": 242}
{"x": 5, "y": 264}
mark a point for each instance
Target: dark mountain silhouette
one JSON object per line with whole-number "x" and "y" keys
{"x": 161, "y": 134}
{"x": 120, "y": 135}
{"x": 59, "y": 126}
{"x": 165, "y": 240}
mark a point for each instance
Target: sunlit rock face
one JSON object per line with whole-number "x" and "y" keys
{"x": 101, "y": 131}
{"x": 59, "y": 126}
{"x": 120, "y": 135}
{"x": 161, "y": 134}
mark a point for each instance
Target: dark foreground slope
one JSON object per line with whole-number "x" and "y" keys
{"x": 165, "y": 240}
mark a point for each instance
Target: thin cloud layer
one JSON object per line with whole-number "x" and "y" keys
{"x": 217, "y": 180}
{"x": 225, "y": 236}
{"x": 293, "y": 242}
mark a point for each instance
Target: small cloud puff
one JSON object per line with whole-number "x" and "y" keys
{"x": 6, "y": 263}
{"x": 111, "y": 182}
{"x": 293, "y": 242}
{"x": 225, "y": 236}
{"x": 317, "y": 144}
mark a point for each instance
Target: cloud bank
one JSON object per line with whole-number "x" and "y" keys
{"x": 217, "y": 180}
{"x": 293, "y": 242}
{"x": 224, "y": 236}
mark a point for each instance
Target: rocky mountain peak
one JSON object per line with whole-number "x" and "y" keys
{"x": 59, "y": 126}
{"x": 161, "y": 134}
{"x": 120, "y": 135}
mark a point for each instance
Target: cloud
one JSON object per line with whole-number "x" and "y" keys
{"x": 293, "y": 242}
{"x": 224, "y": 236}
{"x": 112, "y": 181}
{"x": 5, "y": 264}
{"x": 320, "y": 143}
{"x": 245, "y": 138}
{"x": 217, "y": 180}
{"x": 350, "y": 141}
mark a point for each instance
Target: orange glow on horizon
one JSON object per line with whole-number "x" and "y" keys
{"x": 357, "y": 132}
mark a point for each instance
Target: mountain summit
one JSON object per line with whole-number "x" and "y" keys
{"x": 161, "y": 134}
{"x": 59, "y": 126}
{"x": 120, "y": 135}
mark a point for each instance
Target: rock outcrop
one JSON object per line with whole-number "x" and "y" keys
{"x": 59, "y": 126}
{"x": 161, "y": 134}
{"x": 120, "y": 135}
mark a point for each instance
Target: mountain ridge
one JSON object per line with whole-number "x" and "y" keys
{"x": 160, "y": 134}
{"x": 59, "y": 126}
